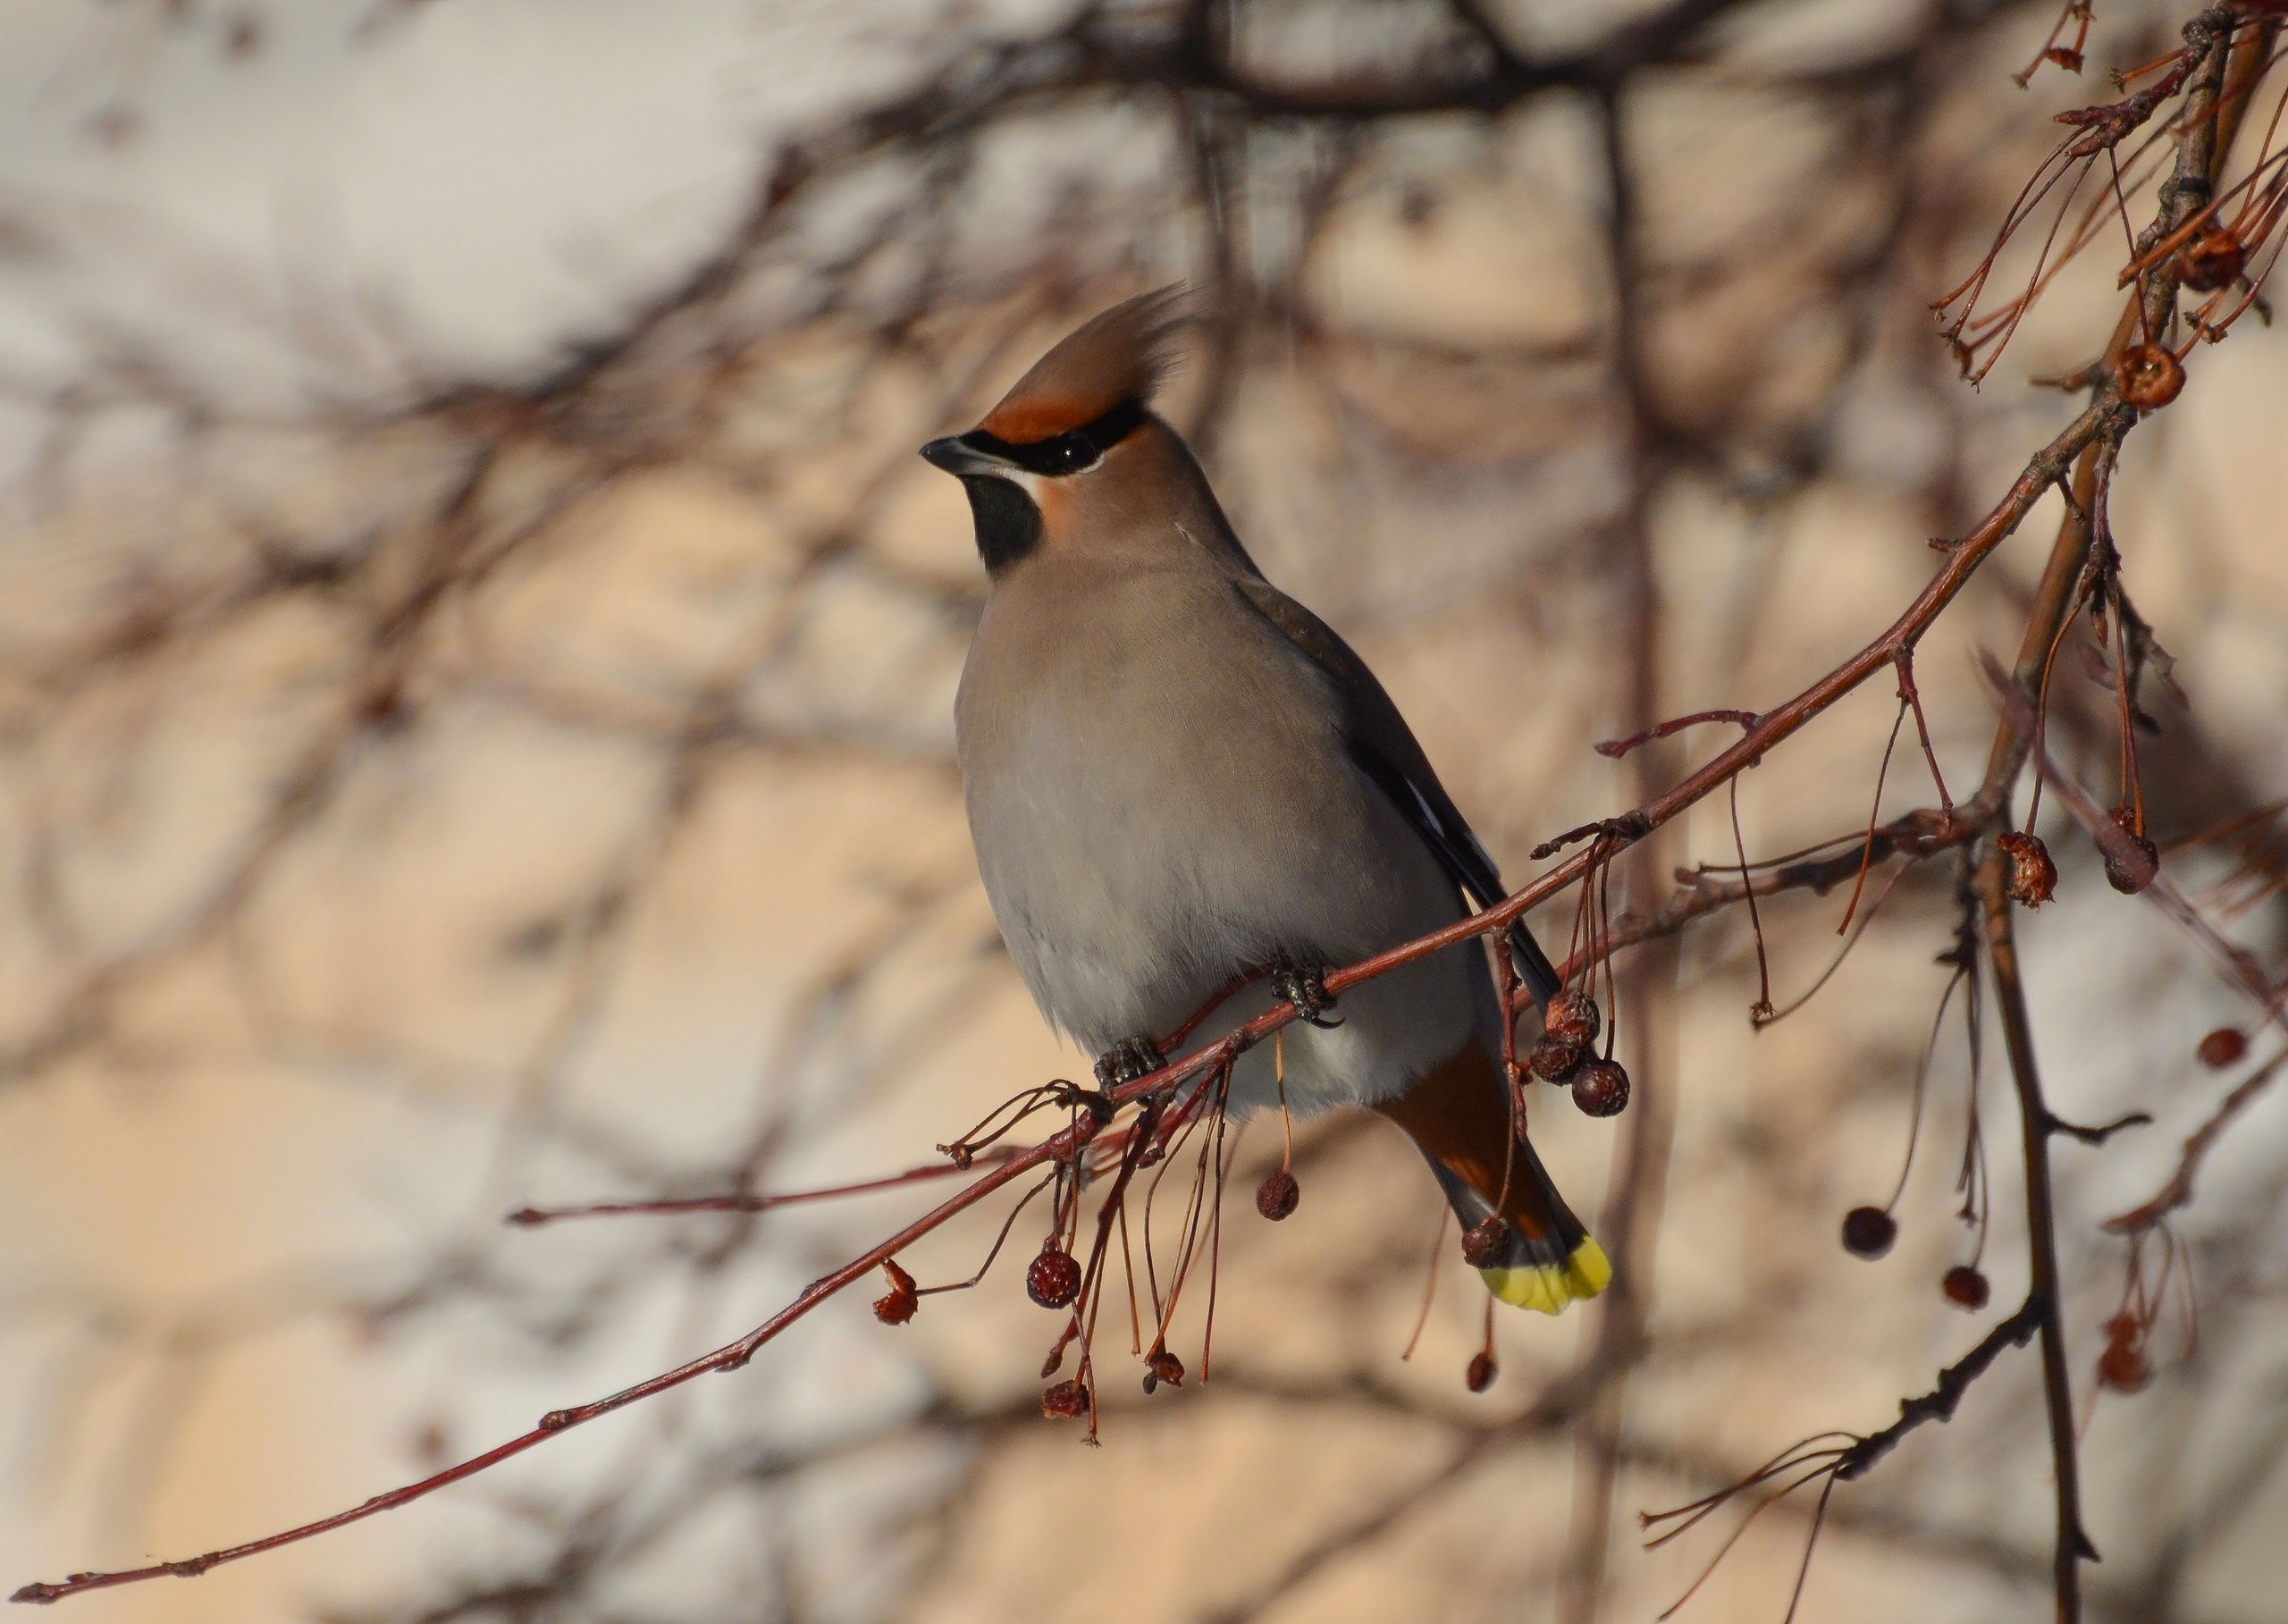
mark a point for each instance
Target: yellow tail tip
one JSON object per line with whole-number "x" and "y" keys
{"x": 1548, "y": 1287}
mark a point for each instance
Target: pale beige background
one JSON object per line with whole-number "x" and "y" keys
{"x": 250, "y": 1263}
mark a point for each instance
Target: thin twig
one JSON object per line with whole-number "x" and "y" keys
{"x": 2047, "y": 1293}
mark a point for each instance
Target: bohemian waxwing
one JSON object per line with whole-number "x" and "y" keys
{"x": 1177, "y": 775}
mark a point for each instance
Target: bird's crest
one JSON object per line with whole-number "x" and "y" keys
{"x": 1109, "y": 361}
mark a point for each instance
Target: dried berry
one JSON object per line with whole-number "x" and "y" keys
{"x": 1053, "y": 1279}
{"x": 1966, "y": 1288}
{"x": 1573, "y": 1017}
{"x": 1868, "y": 1232}
{"x": 1601, "y": 1088}
{"x": 2122, "y": 1366}
{"x": 2130, "y": 860}
{"x": 2151, "y": 376}
{"x": 1481, "y": 1372}
{"x": 2222, "y": 1046}
{"x": 1556, "y": 1058}
{"x": 1277, "y": 1195}
{"x": 2033, "y": 877}
{"x": 1065, "y": 1402}
{"x": 1485, "y": 1243}
{"x": 895, "y": 1305}
{"x": 2211, "y": 260}
{"x": 1162, "y": 1365}
{"x": 2129, "y": 871}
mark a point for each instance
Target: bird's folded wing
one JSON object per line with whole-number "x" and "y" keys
{"x": 1385, "y": 750}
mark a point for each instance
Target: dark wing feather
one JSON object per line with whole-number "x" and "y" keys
{"x": 1385, "y": 750}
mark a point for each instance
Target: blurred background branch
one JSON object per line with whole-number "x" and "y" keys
{"x": 475, "y": 661}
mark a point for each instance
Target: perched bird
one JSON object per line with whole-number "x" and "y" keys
{"x": 1176, "y": 775}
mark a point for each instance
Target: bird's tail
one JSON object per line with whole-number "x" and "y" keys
{"x": 1458, "y": 1114}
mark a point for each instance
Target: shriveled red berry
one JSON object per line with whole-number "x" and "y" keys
{"x": 2151, "y": 376}
{"x": 1481, "y": 1372}
{"x": 1573, "y": 1015}
{"x": 1868, "y": 1232}
{"x": 1556, "y": 1058}
{"x": 1277, "y": 1195}
{"x": 1067, "y": 1401}
{"x": 1600, "y": 1088}
{"x": 895, "y": 1305}
{"x": 1162, "y": 1365}
{"x": 1484, "y": 1243}
{"x": 2123, "y": 1368}
{"x": 2211, "y": 260}
{"x": 2222, "y": 1046}
{"x": 2033, "y": 877}
{"x": 2131, "y": 861}
{"x": 1966, "y": 1288}
{"x": 1053, "y": 1279}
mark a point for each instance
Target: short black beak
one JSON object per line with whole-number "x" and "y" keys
{"x": 960, "y": 458}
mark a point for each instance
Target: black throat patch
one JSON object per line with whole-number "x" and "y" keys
{"x": 1008, "y": 524}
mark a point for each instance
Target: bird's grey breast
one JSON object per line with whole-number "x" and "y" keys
{"x": 1158, "y": 792}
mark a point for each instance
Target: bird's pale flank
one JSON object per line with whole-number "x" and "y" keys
{"x": 1177, "y": 775}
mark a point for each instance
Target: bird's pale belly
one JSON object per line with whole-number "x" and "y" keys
{"x": 1126, "y": 906}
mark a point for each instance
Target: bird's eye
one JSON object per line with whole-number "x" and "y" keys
{"x": 1070, "y": 454}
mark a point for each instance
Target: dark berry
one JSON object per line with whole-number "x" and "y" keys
{"x": 1277, "y": 1195}
{"x": 2130, "y": 860}
{"x": 1162, "y": 1365}
{"x": 1481, "y": 1372}
{"x": 2132, "y": 869}
{"x": 2210, "y": 260}
{"x": 1600, "y": 1088}
{"x": 2033, "y": 877}
{"x": 1556, "y": 1058}
{"x": 2222, "y": 1046}
{"x": 1573, "y": 1015}
{"x": 1868, "y": 1232}
{"x": 1484, "y": 1243}
{"x": 1053, "y": 1280}
{"x": 1065, "y": 1402}
{"x": 1966, "y": 1288}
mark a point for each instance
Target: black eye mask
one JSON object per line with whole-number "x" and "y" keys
{"x": 1065, "y": 453}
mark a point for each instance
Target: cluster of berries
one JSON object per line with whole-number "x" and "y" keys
{"x": 1565, "y": 1056}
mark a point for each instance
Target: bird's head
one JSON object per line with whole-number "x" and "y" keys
{"x": 1074, "y": 440}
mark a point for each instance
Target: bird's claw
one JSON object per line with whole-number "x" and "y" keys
{"x": 1127, "y": 1060}
{"x": 1305, "y": 987}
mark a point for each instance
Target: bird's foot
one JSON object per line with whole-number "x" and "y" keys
{"x": 1305, "y": 987}
{"x": 1127, "y": 1060}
